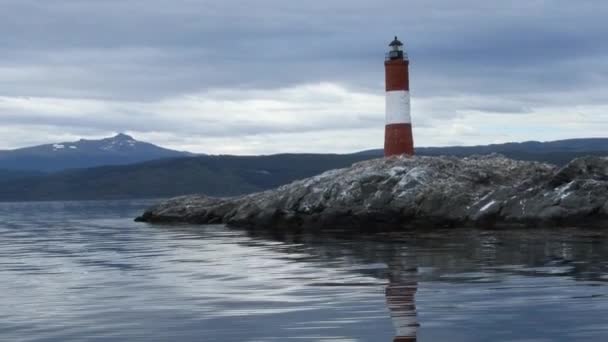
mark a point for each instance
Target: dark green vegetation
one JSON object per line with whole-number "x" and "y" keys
{"x": 9, "y": 175}
{"x": 212, "y": 175}
{"x": 232, "y": 175}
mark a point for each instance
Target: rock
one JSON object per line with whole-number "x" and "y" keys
{"x": 411, "y": 192}
{"x": 604, "y": 210}
{"x": 588, "y": 167}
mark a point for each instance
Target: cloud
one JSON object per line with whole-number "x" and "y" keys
{"x": 215, "y": 113}
{"x": 228, "y": 73}
{"x": 306, "y": 118}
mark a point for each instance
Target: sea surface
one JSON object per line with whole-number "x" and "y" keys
{"x": 84, "y": 271}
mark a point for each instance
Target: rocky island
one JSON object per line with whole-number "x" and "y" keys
{"x": 407, "y": 192}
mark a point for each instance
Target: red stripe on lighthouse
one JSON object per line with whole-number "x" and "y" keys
{"x": 398, "y": 138}
{"x": 397, "y": 75}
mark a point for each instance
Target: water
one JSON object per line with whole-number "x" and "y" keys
{"x": 86, "y": 271}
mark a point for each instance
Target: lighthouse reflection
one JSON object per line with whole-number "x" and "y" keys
{"x": 401, "y": 302}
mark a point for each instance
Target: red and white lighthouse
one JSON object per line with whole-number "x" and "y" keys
{"x": 398, "y": 138}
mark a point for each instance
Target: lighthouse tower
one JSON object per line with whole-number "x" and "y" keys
{"x": 398, "y": 138}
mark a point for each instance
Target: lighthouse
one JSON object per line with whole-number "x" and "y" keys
{"x": 398, "y": 138}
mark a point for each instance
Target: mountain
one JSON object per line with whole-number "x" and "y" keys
{"x": 232, "y": 175}
{"x": 118, "y": 150}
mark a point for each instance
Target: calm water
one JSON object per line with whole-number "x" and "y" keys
{"x": 87, "y": 272}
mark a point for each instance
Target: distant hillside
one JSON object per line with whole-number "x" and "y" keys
{"x": 9, "y": 175}
{"x": 213, "y": 175}
{"x": 232, "y": 175}
{"x": 554, "y": 152}
{"x": 118, "y": 150}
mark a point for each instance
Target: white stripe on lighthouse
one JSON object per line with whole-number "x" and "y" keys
{"x": 398, "y": 107}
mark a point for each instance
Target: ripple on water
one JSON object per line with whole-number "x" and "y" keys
{"x": 73, "y": 271}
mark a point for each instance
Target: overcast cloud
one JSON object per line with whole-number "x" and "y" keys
{"x": 268, "y": 76}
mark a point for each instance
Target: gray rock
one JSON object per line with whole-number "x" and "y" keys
{"x": 410, "y": 192}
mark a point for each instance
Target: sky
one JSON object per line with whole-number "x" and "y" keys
{"x": 272, "y": 76}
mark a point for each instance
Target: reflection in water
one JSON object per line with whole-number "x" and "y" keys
{"x": 85, "y": 271}
{"x": 478, "y": 285}
{"x": 401, "y": 301}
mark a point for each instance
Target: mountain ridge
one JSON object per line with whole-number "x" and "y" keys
{"x": 120, "y": 149}
{"x": 226, "y": 175}
{"x": 123, "y": 149}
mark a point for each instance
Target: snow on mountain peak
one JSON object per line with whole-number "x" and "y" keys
{"x": 118, "y": 142}
{"x": 63, "y": 147}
